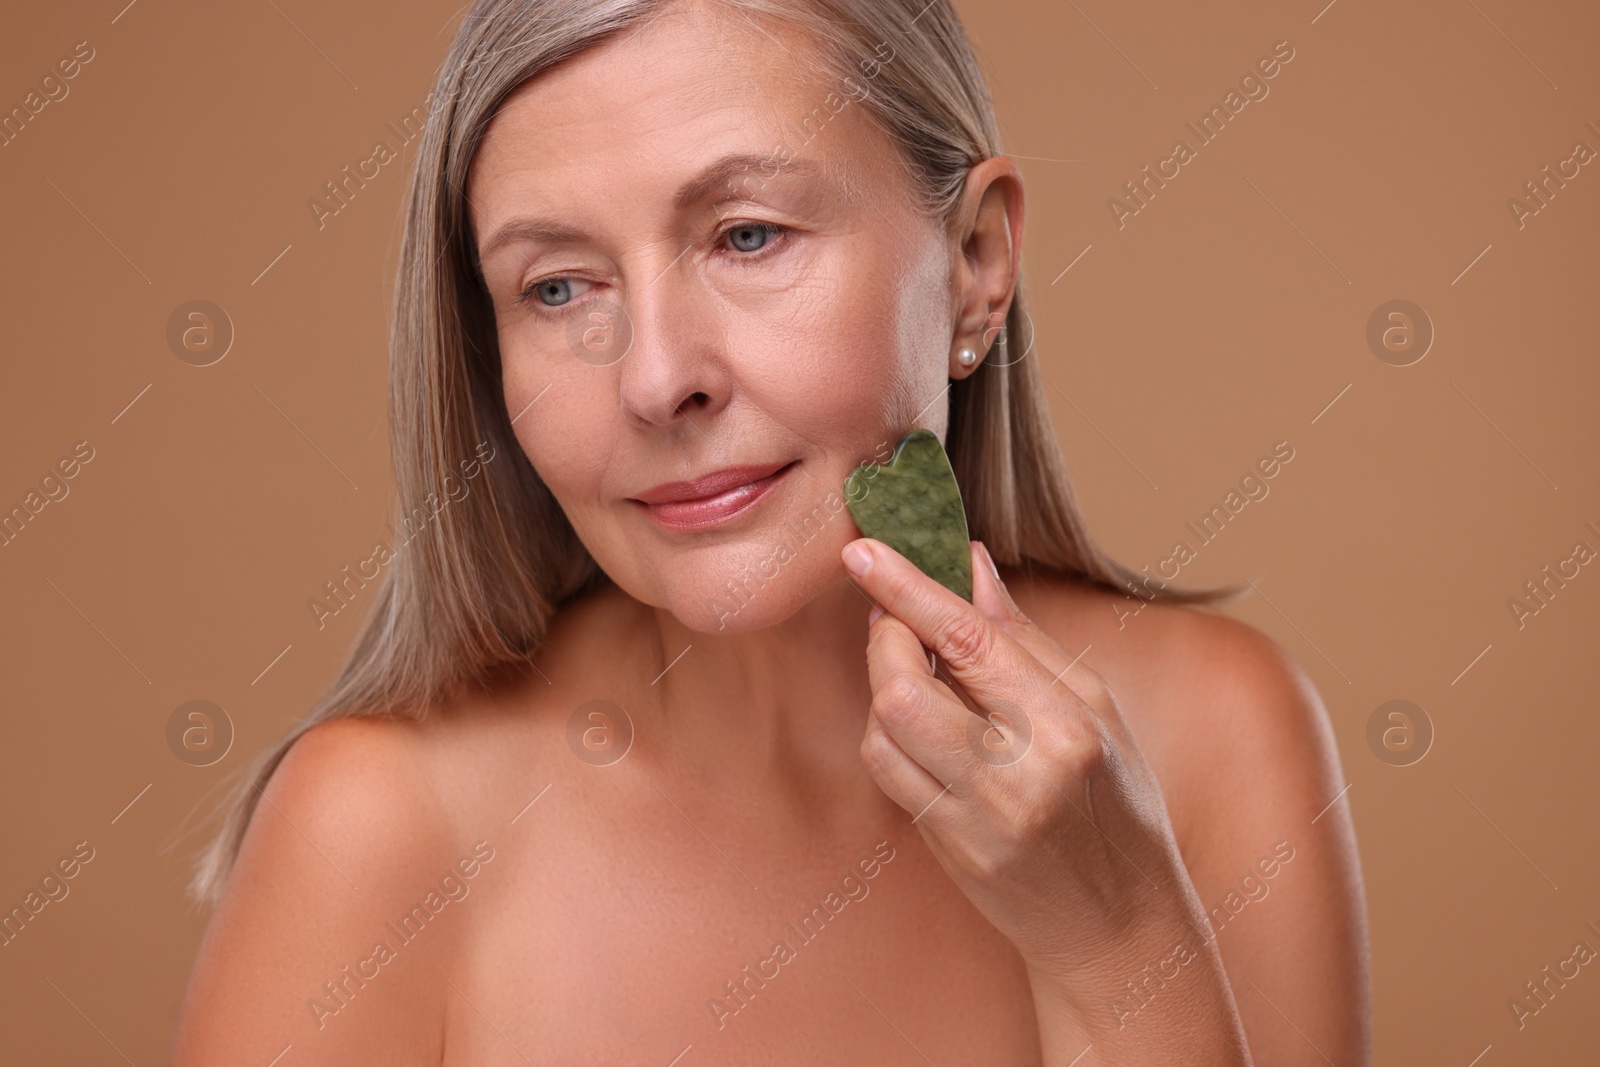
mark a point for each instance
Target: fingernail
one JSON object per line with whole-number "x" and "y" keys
{"x": 872, "y": 616}
{"x": 992, "y": 568}
{"x": 857, "y": 559}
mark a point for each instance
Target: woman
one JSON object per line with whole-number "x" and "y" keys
{"x": 620, "y": 769}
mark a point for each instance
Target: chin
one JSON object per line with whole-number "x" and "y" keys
{"x": 758, "y": 579}
{"x": 739, "y": 599}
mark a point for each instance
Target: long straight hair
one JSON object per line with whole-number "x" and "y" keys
{"x": 476, "y": 585}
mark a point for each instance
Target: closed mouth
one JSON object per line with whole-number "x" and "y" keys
{"x": 712, "y": 499}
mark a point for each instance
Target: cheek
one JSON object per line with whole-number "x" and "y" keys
{"x": 823, "y": 371}
{"x": 847, "y": 355}
{"x": 554, "y": 421}
{"x": 922, "y": 331}
{"x": 832, "y": 365}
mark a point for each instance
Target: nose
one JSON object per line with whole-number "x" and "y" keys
{"x": 676, "y": 367}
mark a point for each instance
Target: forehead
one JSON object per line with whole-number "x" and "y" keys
{"x": 657, "y": 102}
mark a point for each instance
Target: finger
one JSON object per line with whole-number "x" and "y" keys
{"x": 988, "y": 663}
{"x": 916, "y": 710}
{"x": 891, "y": 650}
{"x": 991, "y": 597}
{"x": 901, "y": 778}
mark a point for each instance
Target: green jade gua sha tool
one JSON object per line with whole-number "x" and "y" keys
{"x": 913, "y": 505}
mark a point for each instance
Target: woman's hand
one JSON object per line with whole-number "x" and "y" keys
{"x": 1029, "y": 789}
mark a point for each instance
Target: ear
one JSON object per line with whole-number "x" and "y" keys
{"x": 986, "y": 229}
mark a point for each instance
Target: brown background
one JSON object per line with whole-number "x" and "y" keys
{"x": 1227, "y": 315}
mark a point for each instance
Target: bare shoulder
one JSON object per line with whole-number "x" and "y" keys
{"x": 1203, "y": 692}
{"x": 345, "y": 825}
{"x": 352, "y": 796}
{"x": 338, "y": 931}
{"x": 362, "y": 769}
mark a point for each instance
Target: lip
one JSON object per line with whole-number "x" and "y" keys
{"x": 714, "y": 498}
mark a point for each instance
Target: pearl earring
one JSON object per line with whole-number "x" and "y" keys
{"x": 966, "y": 357}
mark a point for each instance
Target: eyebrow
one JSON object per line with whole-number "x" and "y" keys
{"x": 693, "y": 191}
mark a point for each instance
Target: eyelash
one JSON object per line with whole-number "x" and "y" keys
{"x": 779, "y": 238}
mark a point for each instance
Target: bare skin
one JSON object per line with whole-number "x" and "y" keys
{"x": 606, "y": 922}
{"x": 594, "y": 912}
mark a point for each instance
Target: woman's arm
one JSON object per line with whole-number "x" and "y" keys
{"x": 345, "y": 840}
{"x": 1250, "y": 761}
{"x": 1270, "y": 844}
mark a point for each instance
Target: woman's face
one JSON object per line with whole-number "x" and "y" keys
{"x": 701, "y": 258}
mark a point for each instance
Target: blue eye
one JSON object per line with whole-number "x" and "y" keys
{"x": 754, "y": 241}
{"x": 553, "y": 292}
{"x": 750, "y": 237}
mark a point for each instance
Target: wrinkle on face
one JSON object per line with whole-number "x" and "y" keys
{"x": 818, "y": 352}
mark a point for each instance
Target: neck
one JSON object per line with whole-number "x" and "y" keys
{"x": 782, "y": 708}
